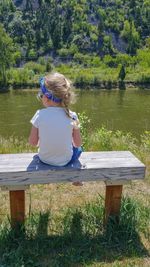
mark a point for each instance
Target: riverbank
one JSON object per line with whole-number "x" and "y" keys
{"x": 103, "y": 73}
{"x": 83, "y": 84}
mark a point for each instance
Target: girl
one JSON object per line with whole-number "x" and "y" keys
{"x": 56, "y": 129}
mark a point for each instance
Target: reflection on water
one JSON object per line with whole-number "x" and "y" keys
{"x": 127, "y": 110}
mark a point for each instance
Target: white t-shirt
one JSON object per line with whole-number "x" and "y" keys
{"x": 55, "y": 135}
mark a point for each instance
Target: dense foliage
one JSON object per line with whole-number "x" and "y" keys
{"x": 85, "y": 26}
{"x": 91, "y": 33}
{"x": 8, "y": 54}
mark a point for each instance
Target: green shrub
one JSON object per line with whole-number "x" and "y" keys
{"x": 145, "y": 140}
{"x": 104, "y": 140}
{"x": 84, "y": 127}
{"x": 36, "y": 67}
{"x": 32, "y": 54}
{"x": 19, "y": 76}
{"x": 63, "y": 52}
{"x": 144, "y": 78}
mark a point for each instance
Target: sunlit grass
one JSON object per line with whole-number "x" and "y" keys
{"x": 14, "y": 145}
{"x": 76, "y": 237}
{"x": 104, "y": 76}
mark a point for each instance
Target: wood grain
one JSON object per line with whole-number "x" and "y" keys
{"x": 112, "y": 201}
{"x": 26, "y": 168}
{"x": 17, "y": 207}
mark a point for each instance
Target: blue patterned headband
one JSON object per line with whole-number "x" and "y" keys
{"x": 48, "y": 93}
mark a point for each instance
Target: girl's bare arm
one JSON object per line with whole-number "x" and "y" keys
{"x": 76, "y": 138}
{"x": 34, "y": 136}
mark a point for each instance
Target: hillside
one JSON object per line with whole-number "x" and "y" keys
{"x": 67, "y": 27}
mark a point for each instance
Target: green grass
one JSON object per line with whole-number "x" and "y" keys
{"x": 14, "y": 145}
{"x": 76, "y": 237}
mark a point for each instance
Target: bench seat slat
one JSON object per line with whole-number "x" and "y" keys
{"x": 97, "y": 154}
{"x": 89, "y": 164}
{"x": 26, "y": 168}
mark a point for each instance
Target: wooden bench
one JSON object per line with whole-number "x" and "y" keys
{"x": 18, "y": 171}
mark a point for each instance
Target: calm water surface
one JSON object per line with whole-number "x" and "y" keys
{"x": 127, "y": 110}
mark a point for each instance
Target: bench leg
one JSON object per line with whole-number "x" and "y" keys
{"x": 17, "y": 207}
{"x": 112, "y": 201}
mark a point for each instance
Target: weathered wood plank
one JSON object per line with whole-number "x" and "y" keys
{"x": 26, "y": 168}
{"x": 97, "y": 154}
{"x": 28, "y": 161}
{"x": 88, "y": 164}
{"x": 27, "y": 157}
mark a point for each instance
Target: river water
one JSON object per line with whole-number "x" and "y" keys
{"x": 126, "y": 110}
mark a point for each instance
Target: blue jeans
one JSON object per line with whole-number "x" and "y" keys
{"x": 76, "y": 154}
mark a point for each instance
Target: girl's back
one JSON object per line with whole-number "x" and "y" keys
{"x": 55, "y": 135}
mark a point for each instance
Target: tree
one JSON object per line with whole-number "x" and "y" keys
{"x": 7, "y": 50}
{"x": 107, "y": 45}
{"x": 122, "y": 73}
{"x": 48, "y": 65}
{"x": 131, "y": 35}
{"x": 147, "y": 42}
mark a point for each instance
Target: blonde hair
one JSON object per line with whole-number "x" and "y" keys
{"x": 61, "y": 88}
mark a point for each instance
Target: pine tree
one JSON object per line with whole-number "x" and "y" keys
{"x": 122, "y": 73}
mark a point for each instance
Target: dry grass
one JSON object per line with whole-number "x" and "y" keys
{"x": 59, "y": 196}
